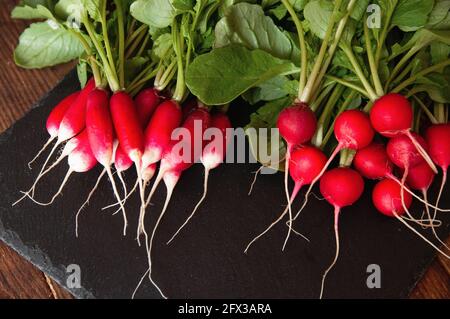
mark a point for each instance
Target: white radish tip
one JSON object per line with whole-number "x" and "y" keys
{"x": 151, "y": 155}
{"x": 211, "y": 160}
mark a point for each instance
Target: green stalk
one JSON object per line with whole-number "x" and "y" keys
{"x": 138, "y": 85}
{"x": 346, "y": 157}
{"x": 180, "y": 87}
{"x": 417, "y": 118}
{"x": 441, "y": 113}
{"x": 384, "y": 32}
{"x": 106, "y": 38}
{"x": 316, "y": 69}
{"x": 399, "y": 65}
{"x": 400, "y": 77}
{"x": 110, "y": 75}
{"x": 349, "y": 85}
{"x": 350, "y": 55}
{"x": 143, "y": 45}
{"x": 167, "y": 75}
{"x": 121, "y": 33}
{"x": 373, "y": 66}
{"x": 339, "y": 31}
{"x": 134, "y": 35}
{"x": 323, "y": 94}
{"x": 302, "y": 42}
{"x": 426, "y": 110}
{"x": 424, "y": 72}
{"x": 134, "y": 45}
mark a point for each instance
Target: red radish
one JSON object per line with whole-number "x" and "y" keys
{"x": 340, "y": 187}
{"x": 166, "y": 118}
{"x": 306, "y": 163}
{"x": 72, "y": 123}
{"x": 54, "y": 121}
{"x": 99, "y": 127}
{"x": 146, "y": 102}
{"x": 438, "y": 137}
{"x": 390, "y": 200}
{"x": 352, "y": 130}
{"x": 129, "y": 131}
{"x": 174, "y": 162}
{"x": 392, "y": 115}
{"x": 189, "y": 106}
{"x": 373, "y": 162}
{"x": 212, "y": 156}
{"x": 80, "y": 160}
{"x": 297, "y": 125}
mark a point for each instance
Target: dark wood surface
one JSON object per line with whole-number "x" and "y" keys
{"x": 19, "y": 89}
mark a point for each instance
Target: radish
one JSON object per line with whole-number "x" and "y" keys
{"x": 372, "y": 162}
{"x": 213, "y": 155}
{"x": 129, "y": 132}
{"x": 340, "y": 187}
{"x": 172, "y": 165}
{"x": 438, "y": 139}
{"x": 352, "y": 130}
{"x": 146, "y": 102}
{"x": 54, "y": 121}
{"x": 306, "y": 163}
{"x": 80, "y": 160}
{"x": 390, "y": 200}
{"x": 71, "y": 124}
{"x": 297, "y": 125}
{"x": 99, "y": 127}
{"x": 165, "y": 119}
{"x": 392, "y": 115}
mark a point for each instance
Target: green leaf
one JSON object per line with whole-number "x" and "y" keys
{"x": 161, "y": 46}
{"x": 246, "y": 24}
{"x": 439, "y": 52}
{"x": 183, "y": 5}
{"x": 70, "y": 10}
{"x": 268, "y": 91}
{"x": 318, "y": 13}
{"x": 28, "y": 12}
{"x": 439, "y": 13}
{"x": 45, "y": 44}
{"x": 158, "y": 13}
{"x": 223, "y": 74}
{"x": 359, "y": 9}
{"x": 411, "y": 15}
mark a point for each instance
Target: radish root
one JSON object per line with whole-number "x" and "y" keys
{"x": 336, "y": 235}
{"x": 87, "y": 200}
{"x": 254, "y": 179}
{"x": 49, "y": 141}
{"x": 422, "y": 152}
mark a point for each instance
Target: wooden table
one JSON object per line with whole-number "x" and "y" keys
{"x": 19, "y": 89}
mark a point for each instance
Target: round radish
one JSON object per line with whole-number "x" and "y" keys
{"x": 390, "y": 200}
{"x": 403, "y": 153}
{"x": 372, "y": 161}
{"x": 340, "y": 187}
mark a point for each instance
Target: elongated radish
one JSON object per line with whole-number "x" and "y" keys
{"x": 146, "y": 102}
{"x": 129, "y": 132}
{"x": 174, "y": 162}
{"x": 391, "y": 115}
{"x": 340, "y": 187}
{"x": 297, "y": 125}
{"x": 80, "y": 160}
{"x": 305, "y": 164}
{"x": 166, "y": 118}
{"x": 390, "y": 200}
{"x": 99, "y": 127}
{"x": 71, "y": 124}
{"x": 352, "y": 130}
{"x": 212, "y": 156}
{"x": 54, "y": 121}
{"x": 438, "y": 139}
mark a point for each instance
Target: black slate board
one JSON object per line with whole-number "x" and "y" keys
{"x": 207, "y": 260}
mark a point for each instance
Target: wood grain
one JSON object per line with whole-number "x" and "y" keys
{"x": 19, "y": 89}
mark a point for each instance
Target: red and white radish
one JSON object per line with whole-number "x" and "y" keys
{"x": 212, "y": 156}
{"x": 340, "y": 187}
{"x": 146, "y": 102}
{"x": 54, "y": 121}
